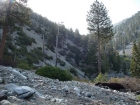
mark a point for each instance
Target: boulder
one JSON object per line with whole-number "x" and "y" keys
{"x": 24, "y": 92}
{"x": 26, "y": 95}
{"x": 5, "y": 102}
{"x": 3, "y": 96}
{"x": 18, "y": 74}
{"x": 21, "y": 91}
{"x": 11, "y": 87}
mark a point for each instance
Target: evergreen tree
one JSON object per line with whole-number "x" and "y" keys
{"x": 12, "y": 12}
{"x": 135, "y": 63}
{"x": 99, "y": 25}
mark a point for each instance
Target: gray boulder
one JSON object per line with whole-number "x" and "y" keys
{"x": 20, "y": 91}
{"x": 11, "y": 87}
{"x": 5, "y": 102}
{"x": 18, "y": 74}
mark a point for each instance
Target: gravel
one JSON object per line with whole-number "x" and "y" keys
{"x": 55, "y": 92}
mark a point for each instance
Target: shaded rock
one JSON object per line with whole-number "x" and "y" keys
{"x": 26, "y": 95}
{"x": 66, "y": 89}
{"x": 114, "y": 86}
{"x": 2, "y": 96}
{"x": 23, "y": 89}
{"x": 18, "y": 74}
{"x": 88, "y": 94}
{"x": 5, "y": 102}
{"x": 24, "y": 92}
{"x": 11, "y": 87}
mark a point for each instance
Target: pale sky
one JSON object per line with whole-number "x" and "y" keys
{"x": 73, "y": 12}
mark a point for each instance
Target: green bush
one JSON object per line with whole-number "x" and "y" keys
{"x": 29, "y": 29}
{"x": 101, "y": 78}
{"x": 48, "y": 57}
{"x": 54, "y": 73}
{"x": 70, "y": 54}
{"x": 40, "y": 48}
{"x": 24, "y": 66}
{"x": 73, "y": 71}
{"x": 62, "y": 63}
{"x": 21, "y": 33}
{"x": 33, "y": 40}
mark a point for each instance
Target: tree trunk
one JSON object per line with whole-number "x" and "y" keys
{"x": 99, "y": 56}
{"x": 99, "y": 51}
{"x": 5, "y": 30}
{"x": 56, "y": 46}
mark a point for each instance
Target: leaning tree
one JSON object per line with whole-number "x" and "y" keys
{"x": 12, "y": 12}
{"x": 99, "y": 25}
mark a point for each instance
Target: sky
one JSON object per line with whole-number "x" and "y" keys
{"x": 73, "y": 12}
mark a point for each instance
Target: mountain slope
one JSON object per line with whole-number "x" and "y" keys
{"x": 126, "y": 32}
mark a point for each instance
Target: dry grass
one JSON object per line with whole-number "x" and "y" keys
{"x": 132, "y": 84}
{"x": 75, "y": 78}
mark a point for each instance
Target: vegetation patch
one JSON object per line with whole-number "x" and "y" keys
{"x": 101, "y": 78}
{"x": 24, "y": 66}
{"x": 73, "y": 71}
{"x": 54, "y": 73}
{"x": 132, "y": 84}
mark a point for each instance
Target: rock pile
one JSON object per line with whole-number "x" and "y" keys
{"x": 21, "y": 87}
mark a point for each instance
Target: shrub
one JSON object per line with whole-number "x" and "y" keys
{"x": 24, "y": 66}
{"x": 48, "y": 57}
{"x": 10, "y": 45}
{"x": 21, "y": 33}
{"x": 101, "y": 78}
{"x": 68, "y": 58}
{"x": 40, "y": 48}
{"x": 29, "y": 29}
{"x": 62, "y": 52}
{"x": 54, "y": 73}
{"x": 30, "y": 59}
{"x": 138, "y": 97}
{"x": 60, "y": 62}
{"x": 33, "y": 40}
{"x": 132, "y": 84}
{"x": 73, "y": 71}
{"x": 70, "y": 54}
{"x": 7, "y": 61}
{"x": 24, "y": 40}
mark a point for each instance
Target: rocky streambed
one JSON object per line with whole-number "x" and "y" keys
{"x": 22, "y": 87}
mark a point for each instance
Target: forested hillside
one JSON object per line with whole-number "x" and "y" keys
{"x": 34, "y": 45}
{"x": 126, "y": 32}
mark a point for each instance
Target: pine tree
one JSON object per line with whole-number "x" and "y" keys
{"x": 135, "y": 62}
{"x": 12, "y": 12}
{"x": 99, "y": 25}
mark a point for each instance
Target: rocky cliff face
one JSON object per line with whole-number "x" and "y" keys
{"x": 26, "y": 88}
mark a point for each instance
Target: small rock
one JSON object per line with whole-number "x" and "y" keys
{"x": 3, "y": 96}
{"x": 5, "y": 102}
{"x": 88, "y": 94}
{"x": 26, "y": 95}
{"x": 65, "y": 89}
{"x": 11, "y": 86}
{"x": 18, "y": 74}
{"x": 137, "y": 103}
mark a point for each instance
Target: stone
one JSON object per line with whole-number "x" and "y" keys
{"x": 65, "y": 89}
{"x": 3, "y": 96}
{"x": 18, "y": 74}
{"x": 5, "y": 102}
{"x": 26, "y": 95}
{"x": 11, "y": 87}
{"x": 88, "y": 94}
{"x": 23, "y": 89}
{"x": 24, "y": 92}
{"x": 137, "y": 103}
